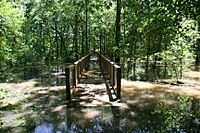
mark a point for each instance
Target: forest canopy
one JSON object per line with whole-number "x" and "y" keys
{"x": 50, "y": 32}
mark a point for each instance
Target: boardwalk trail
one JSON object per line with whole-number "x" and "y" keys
{"x": 92, "y": 91}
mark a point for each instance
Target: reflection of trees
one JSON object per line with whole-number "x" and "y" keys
{"x": 182, "y": 114}
{"x": 78, "y": 121}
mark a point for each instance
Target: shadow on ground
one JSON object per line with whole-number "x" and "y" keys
{"x": 151, "y": 108}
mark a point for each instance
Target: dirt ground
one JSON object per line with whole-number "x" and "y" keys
{"x": 22, "y": 99}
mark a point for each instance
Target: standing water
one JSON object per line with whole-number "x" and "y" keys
{"x": 146, "y": 107}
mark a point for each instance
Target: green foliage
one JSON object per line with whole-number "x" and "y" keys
{"x": 58, "y": 31}
{"x": 179, "y": 54}
{"x": 177, "y": 115}
{"x": 11, "y": 19}
{"x": 3, "y": 92}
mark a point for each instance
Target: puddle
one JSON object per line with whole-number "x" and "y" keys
{"x": 180, "y": 116}
{"x": 46, "y": 128}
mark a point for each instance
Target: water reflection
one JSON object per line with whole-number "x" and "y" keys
{"x": 181, "y": 117}
{"x": 45, "y": 128}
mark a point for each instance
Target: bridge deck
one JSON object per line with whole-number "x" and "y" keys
{"x": 92, "y": 89}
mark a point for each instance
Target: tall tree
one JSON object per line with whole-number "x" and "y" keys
{"x": 117, "y": 37}
{"x": 86, "y": 25}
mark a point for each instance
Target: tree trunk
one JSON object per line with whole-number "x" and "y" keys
{"x": 82, "y": 44}
{"x": 88, "y": 36}
{"x": 86, "y": 26}
{"x": 42, "y": 40}
{"x": 62, "y": 46}
{"x": 147, "y": 67}
{"x": 134, "y": 60}
{"x": 165, "y": 69}
{"x": 198, "y": 47}
{"x": 56, "y": 41}
{"x": 117, "y": 38}
{"x": 134, "y": 70}
{"x": 181, "y": 64}
{"x": 104, "y": 43}
{"x": 198, "y": 52}
{"x": 100, "y": 42}
{"x": 128, "y": 69}
{"x": 154, "y": 66}
{"x": 76, "y": 36}
{"x": 147, "y": 60}
{"x": 124, "y": 43}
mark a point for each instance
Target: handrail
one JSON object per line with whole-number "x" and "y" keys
{"x": 73, "y": 74}
{"x": 112, "y": 71}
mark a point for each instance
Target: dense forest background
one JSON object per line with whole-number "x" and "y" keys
{"x": 39, "y": 33}
{"x": 154, "y": 41}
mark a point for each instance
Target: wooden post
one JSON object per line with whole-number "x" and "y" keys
{"x": 78, "y": 71}
{"x": 74, "y": 75}
{"x": 67, "y": 78}
{"x": 100, "y": 61}
{"x": 107, "y": 61}
{"x": 109, "y": 70}
{"x": 113, "y": 73}
{"x": 118, "y": 74}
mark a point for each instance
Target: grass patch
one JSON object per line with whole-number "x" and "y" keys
{"x": 3, "y": 92}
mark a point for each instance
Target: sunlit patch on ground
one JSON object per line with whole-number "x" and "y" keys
{"x": 90, "y": 113}
{"x": 136, "y": 84}
{"x": 58, "y": 74}
{"x": 25, "y": 98}
{"x": 91, "y": 94}
{"x": 133, "y": 87}
{"x": 57, "y": 89}
{"x": 19, "y": 86}
{"x": 58, "y": 108}
{"x": 16, "y": 92}
{"x": 192, "y": 75}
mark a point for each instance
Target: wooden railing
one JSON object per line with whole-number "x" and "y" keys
{"x": 73, "y": 74}
{"x": 112, "y": 72}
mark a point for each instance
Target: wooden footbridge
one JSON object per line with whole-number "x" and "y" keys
{"x": 81, "y": 73}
